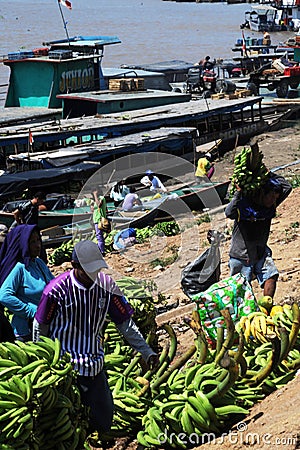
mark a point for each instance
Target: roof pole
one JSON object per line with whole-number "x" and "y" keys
{"x": 64, "y": 21}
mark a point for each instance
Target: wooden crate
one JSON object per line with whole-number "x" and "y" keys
{"x": 217, "y": 96}
{"x": 231, "y": 96}
{"x": 243, "y": 93}
{"x": 126, "y": 84}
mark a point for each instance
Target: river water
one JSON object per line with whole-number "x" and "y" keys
{"x": 150, "y": 30}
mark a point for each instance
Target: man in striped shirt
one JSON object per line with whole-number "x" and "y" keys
{"x": 73, "y": 308}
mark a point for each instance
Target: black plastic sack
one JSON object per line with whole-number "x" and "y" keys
{"x": 205, "y": 270}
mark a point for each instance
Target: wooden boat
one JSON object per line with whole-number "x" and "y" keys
{"x": 139, "y": 216}
{"x": 172, "y": 205}
{"x": 197, "y": 196}
{"x": 282, "y": 16}
{"x": 49, "y": 219}
{"x": 67, "y": 65}
{"x": 175, "y": 203}
{"x": 56, "y": 235}
{"x": 60, "y": 211}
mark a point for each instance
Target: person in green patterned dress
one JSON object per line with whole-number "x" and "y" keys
{"x": 99, "y": 209}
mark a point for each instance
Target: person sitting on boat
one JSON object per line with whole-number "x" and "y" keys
{"x": 266, "y": 38}
{"x": 205, "y": 168}
{"x": 23, "y": 276}
{"x": 119, "y": 192}
{"x": 153, "y": 182}
{"x": 131, "y": 200}
{"x": 28, "y": 211}
{"x": 208, "y": 64}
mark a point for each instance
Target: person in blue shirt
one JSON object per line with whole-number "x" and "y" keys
{"x": 152, "y": 181}
{"x": 23, "y": 276}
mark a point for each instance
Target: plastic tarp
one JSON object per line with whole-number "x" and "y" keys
{"x": 11, "y": 184}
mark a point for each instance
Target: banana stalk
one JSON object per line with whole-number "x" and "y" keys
{"x": 224, "y": 386}
{"x": 227, "y": 344}
{"x": 295, "y": 325}
{"x": 238, "y": 355}
{"x": 284, "y": 343}
{"x": 220, "y": 339}
{"x": 202, "y": 347}
{"x": 201, "y": 343}
{"x": 272, "y": 363}
{"x": 176, "y": 365}
{"x": 173, "y": 341}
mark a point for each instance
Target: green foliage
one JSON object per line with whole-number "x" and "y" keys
{"x": 295, "y": 181}
{"x": 168, "y": 259}
{"x": 203, "y": 219}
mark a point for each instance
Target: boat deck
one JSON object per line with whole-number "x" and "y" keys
{"x": 107, "y": 102}
{"x": 122, "y": 122}
{"x": 13, "y": 116}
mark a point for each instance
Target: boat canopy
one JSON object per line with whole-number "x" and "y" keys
{"x": 15, "y": 183}
{"x": 163, "y": 66}
{"x": 84, "y": 41}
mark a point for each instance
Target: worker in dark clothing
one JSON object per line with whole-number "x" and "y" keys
{"x": 249, "y": 253}
{"x": 28, "y": 211}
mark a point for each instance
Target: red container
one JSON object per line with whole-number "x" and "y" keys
{"x": 43, "y": 51}
{"x": 208, "y": 78}
{"x": 292, "y": 71}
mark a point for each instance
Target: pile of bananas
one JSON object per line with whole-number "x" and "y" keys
{"x": 138, "y": 294}
{"x": 184, "y": 395}
{"x": 62, "y": 253}
{"x": 249, "y": 173}
{"x": 168, "y": 228}
{"x": 188, "y": 404}
{"x": 40, "y": 406}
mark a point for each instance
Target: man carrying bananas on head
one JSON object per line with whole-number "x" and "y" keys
{"x": 249, "y": 253}
{"x": 73, "y": 308}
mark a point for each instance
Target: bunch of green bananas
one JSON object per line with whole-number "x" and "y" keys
{"x": 62, "y": 253}
{"x": 194, "y": 397}
{"x": 142, "y": 234}
{"x": 170, "y": 228}
{"x": 138, "y": 295}
{"x": 187, "y": 414}
{"x": 40, "y": 404}
{"x": 249, "y": 173}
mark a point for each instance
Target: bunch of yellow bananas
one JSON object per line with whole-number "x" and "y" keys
{"x": 257, "y": 326}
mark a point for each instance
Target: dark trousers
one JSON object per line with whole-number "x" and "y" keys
{"x": 96, "y": 394}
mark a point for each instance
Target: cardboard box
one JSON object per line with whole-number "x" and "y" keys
{"x": 277, "y": 64}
